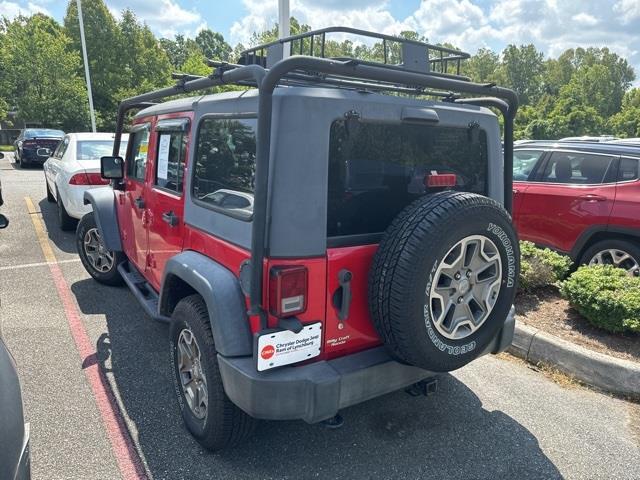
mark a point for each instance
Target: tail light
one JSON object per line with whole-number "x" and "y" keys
{"x": 435, "y": 179}
{"x": 288, "y": 290}
{"x": 87, "y": 179}
{"x": 29, "y": 143}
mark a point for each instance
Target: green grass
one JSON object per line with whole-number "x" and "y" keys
{"x": 6, "y": 148}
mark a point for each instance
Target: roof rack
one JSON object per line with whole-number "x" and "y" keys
{"x": 392, "y": 51}
{"x": 419, "y": 74}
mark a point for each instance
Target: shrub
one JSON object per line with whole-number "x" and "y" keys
{"x": 606, "y": 296}
{"x": 540, "y": 267}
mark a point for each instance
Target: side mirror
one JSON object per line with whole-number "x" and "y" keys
{"x": 43, "y": 152}
{"x": 1, "y": 155}
{"x": 112, "y": 168}
{"x": 4, "y": 222}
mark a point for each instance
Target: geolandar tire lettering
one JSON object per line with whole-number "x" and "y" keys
{"x": 452, "y": 259}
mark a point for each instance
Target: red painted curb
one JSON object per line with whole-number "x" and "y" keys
{"x": 127, "y": 457}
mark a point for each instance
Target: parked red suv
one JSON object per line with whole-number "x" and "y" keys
{"x": 582, "y": 199}
{"x": 315, "y": 241}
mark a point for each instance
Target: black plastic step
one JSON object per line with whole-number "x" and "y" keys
{"x": 141, "y": 289}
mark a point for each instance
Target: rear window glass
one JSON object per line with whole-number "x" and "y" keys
{"x": 43, "y": 133}
{"x": 375, "y": 170}
{"x": 576, "y": 168}
{"x": 95, "y": 149}
{"x": 225, "y": 165}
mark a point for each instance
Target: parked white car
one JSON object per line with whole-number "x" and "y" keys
{"x": 74, "y": 167}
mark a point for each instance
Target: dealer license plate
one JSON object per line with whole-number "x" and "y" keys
{"x": 285, "y": 347}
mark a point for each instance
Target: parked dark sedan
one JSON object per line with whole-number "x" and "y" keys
{"x": 31, "y": 140}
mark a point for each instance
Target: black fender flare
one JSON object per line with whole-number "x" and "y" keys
{"x": 103, "y": 202}
{"x": 586, "y": 237}
{"x": 221, "y": 291}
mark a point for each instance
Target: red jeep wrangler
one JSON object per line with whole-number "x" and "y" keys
{"x": 329, "y": 236}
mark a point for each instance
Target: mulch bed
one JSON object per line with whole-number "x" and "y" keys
{"x": 551, "y": 313}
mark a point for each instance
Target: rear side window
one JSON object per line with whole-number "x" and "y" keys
{"x": 137, "y": 161}
{"x": 524, "y": 162}
{"x": 576, "y": 168}
{"x": 170, "y": 161}
{"x": 375, "y": 170}
{"x": 225, "y": 165}
{"x": 628, "y": 169}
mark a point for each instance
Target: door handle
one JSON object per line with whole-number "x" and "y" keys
{"x": 139, "y": 202}
{"x": 170, "y": 218}
{"x": 342, "y": 296}
{"x": 590, "y": 197}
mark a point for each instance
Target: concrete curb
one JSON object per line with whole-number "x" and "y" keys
{"x": 596, "y": 369}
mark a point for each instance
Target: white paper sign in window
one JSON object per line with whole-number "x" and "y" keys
{"x": 163, "y": 156}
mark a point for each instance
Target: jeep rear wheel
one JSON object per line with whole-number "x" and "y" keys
{"x": 101, "y": 263}
{"x": 214, "y": 421}
{"x": 443, "y": 280}
{"x": 619, "y": 253}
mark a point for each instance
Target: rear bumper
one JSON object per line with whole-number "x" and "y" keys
{"x": 31, "y": 156}
{"x": 74, "y": 201}
{"x": 319, "y": 390}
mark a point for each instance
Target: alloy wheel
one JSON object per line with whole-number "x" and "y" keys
{"x": 617, "y": 258}
{"x": 192, "y": 376}
{"x": 465, "y": 287}
{"x": 99, "y": 257}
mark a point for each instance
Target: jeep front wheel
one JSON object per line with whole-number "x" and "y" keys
{"x": 214, "y": 421}
{"x": 443, "y": 280}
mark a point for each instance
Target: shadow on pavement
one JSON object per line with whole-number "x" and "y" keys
{"x": 444, "y": 436}
{"x": 65, "y": 241}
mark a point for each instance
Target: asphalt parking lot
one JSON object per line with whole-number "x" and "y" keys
{"x": 496, "y": 418}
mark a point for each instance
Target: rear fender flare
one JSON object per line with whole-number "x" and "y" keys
{"x": 220, "y": 289}
{"x": 103, "y": 202}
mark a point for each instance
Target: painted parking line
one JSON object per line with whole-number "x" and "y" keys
{"x": 37, "y": 264}
{"x": 127, "y": 458}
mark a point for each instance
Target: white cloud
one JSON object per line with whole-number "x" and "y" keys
{"x": 585, "y": 19}
{"x": 13, "y": 9}
{"x": 166, "y": 17}
{"x": 628, "y": 9}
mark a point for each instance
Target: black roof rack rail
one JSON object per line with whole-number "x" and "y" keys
{"x": 408, "y": 54}
{"x": 319, "y": 71}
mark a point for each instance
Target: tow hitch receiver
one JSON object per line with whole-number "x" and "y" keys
{"x": 425, "y": 387}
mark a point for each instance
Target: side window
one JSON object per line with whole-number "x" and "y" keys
{"x": 225, "y": 164}
{"x": 61, "y": 148}
{"x": 628, "y": 169}
{"x": 576, "y": 168}
{"x": 170, "y": 160}
{"x": 524, "y": 162}
{"x": 137, "y": 158}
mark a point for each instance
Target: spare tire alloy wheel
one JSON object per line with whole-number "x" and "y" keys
{"x": 618, "y": 258}
{"x": 99, "y": 257}
{"x": 465, "y": 287}
{"x": 443, "y": 280}
{"x": 192, "y": 376}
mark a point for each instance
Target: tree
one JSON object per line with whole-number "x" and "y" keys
{"x": 522, "y": 69}
{"x": 178, "y": 50}
{"x": 42, "y": 73}
{"x": 483, "y": 67}
{"x": 105, "y": 59}
{"x": 212, "y": 45}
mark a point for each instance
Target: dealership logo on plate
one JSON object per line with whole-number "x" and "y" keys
{"x": 267, "y": 352}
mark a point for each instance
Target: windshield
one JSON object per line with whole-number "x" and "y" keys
{"x": 95, "y": 149}
{"x": 43, "y": 132}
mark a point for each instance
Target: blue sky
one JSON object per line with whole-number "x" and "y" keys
{"x": 552, "y": 25}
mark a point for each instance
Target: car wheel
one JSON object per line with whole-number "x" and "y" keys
{"x": 214, "y": 421}
{"x": 443, "y": 280}
{"x": 102, "y": 264}
{"x": 619, "y": 253}
{"x": 66, "y": 221}
{"x": 50, "y": 197}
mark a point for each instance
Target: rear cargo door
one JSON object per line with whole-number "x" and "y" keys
{"x": 375, "y": 171}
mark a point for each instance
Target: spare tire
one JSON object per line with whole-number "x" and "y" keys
{"x": 443, "y": 279}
